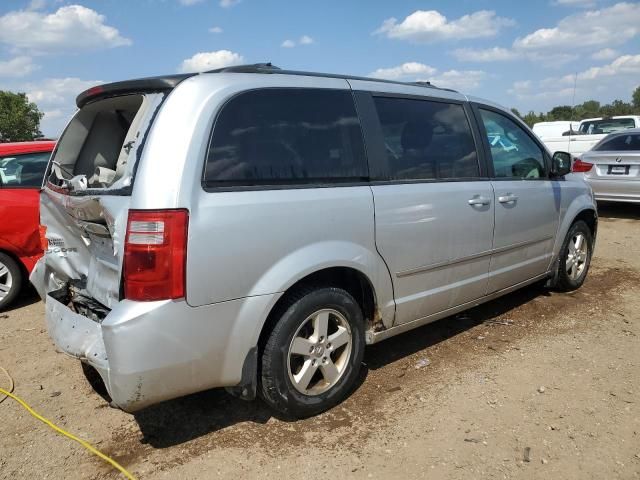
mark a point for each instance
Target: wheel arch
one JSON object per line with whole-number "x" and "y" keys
{"x": 582, "y": 207}
{"x": 351, "y": 279}
{"x": 21, "y": 265}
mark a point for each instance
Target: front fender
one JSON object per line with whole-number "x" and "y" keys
{"x": 578, "y": 204}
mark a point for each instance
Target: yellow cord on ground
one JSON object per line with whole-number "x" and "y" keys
{"x": 11, "y": 385}
{"x": 86, "y": 445}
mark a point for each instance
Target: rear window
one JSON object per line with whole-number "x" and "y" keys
{"x": 286, "y": 136}
{"x": 94, "y": 149}
{"x": 23, "y": 171}
{"x": 620, "y": 143}
{"x": 607, "y": 125}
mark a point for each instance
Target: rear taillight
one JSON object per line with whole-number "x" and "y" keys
{"x": 580, "y": 166}
{"x": 155, "y": 253}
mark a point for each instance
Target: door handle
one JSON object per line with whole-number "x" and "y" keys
{"x": 508, "y": 198}
{"x": 479, "y": 201}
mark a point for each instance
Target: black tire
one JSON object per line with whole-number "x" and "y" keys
{"x": 565, "y": 282}
{"x": 276, "y": 386}
{"x": 13, "y": 270}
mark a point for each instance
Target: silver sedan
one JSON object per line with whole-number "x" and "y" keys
{"x": 612, "y": 167}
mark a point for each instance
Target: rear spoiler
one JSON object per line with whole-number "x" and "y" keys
{"x": 154, "y": 84}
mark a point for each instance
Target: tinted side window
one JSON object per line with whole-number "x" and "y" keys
{"x": 23, "y": 171}
{"x": 514, "y": 153}
{"x": 620, "y": 143}
{"x": 426, "y": 140}
{"x": 286, "y": 136}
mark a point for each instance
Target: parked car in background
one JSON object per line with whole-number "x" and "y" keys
{"x": 612, "y": 167}
{"x": 590, "y": 132}
{"x": 253, "y": 228}
{"x": 554, "y": 129}
{"x": 22, "y": 167}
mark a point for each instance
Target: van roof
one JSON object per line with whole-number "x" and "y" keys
{"x": 168, "y": 82}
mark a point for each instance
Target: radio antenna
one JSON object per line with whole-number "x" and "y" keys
{"x": 573, "y": 99}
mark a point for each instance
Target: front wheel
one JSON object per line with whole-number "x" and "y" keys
{"x": 575, "y": 257}
{"x": 312, "y": 357}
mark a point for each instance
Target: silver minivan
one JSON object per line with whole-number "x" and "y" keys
{"x": 254, "y": 228}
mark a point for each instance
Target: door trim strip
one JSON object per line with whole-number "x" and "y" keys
{"x": 493, "y": 251}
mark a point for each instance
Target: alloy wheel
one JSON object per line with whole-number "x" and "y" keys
{"x": 319, "y": 352}
{"x": 576, "y": 260}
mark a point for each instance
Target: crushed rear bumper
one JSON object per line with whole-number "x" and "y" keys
{"x": 148, "y": 352}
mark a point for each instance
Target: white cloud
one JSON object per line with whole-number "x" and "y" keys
{"x": 415, "y": 71}
{"x": 432, "y": 26}
{"x": 573, "y": 35}
{"x": 617, "y": 78}
{"x": 605, "y": 54}
{"x": 56, "y": 97}
{"x": 303, "y": 40}
{"x": 575, "y": 3}
{"x": 203, "y": 61}
{"x": 229, "y": 3}
{"x": 188, "y": 3}
{"x": 71, "y": 28}
{"x": 37, "y": 4}
{"x": 625, "y": 65}
{"x": 406, "y": 70}
{"x": 495, "y": 54}
{"x": 17, "y": 67}
{"x": 463, "y": 80}
{"x": 606, "y": 27}
{"x": 216, "y": 30}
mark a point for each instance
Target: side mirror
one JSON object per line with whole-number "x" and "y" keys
{"x": 560, "y": 164}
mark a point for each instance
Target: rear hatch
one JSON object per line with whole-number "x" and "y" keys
{"x": 86, "y": 197}
{"x": 617, "y": 157}
{"x": 614, "y": 165}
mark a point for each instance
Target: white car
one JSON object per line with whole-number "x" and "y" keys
{"x": 590, "y": 132}
{"x": 554, "y": 129}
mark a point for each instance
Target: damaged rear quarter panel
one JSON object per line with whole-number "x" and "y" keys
{"x": 86, "y": 243}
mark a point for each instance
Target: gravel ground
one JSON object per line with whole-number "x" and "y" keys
{"x": 533, "y": 385}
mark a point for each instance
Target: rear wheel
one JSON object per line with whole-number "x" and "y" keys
{"x": 312, "y": 357}
{"x": 575, "y": 257}
{"x": 10, "y": 280}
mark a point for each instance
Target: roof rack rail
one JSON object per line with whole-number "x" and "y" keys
{"x": 268, "y": 67}
{"x": 250, "y": 68}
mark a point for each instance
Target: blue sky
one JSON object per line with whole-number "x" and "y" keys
{"x": 520, "y": 54}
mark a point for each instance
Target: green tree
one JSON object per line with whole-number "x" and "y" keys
{"x": 531, "y": 118}
{"x": 636, "y": 99}
{"x": 562, "y": 112}
{"x": 617, "y": 107}
{"x": 19, "y": 118}
{"x": 591, "y": 108}
{"x": 516, "y": 112}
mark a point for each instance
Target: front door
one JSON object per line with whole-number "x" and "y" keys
{"x": 527, "y": 203}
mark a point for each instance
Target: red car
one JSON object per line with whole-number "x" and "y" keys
{"x": 22, "y": 167}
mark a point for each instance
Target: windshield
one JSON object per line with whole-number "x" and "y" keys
{"x": 23, "y": 171}
{"x": 607, "y": 125}
{"x": 620, "y": 143}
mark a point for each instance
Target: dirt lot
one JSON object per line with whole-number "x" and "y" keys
{"x": 557, "y": 375}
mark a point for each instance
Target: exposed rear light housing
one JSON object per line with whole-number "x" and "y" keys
{"x": 580, "y": 167}
{"x": 155, "y": 254}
